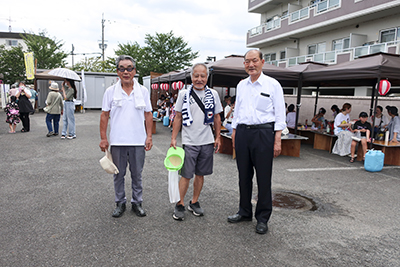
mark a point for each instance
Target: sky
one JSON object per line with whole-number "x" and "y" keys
{"x": 215, "y": 28}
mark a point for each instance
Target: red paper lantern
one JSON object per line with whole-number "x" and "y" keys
{"x": 174, "y": 85}
{"x": 164, "y": 86}
{"x": 154, "y": 86}
{"x": 383, "y": 87}
{"x": 179, "y": 85}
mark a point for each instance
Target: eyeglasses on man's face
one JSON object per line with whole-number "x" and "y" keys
{"x": 254, "y": 60}
{"x": 122, "y": 69}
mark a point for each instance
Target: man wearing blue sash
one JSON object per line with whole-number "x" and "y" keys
{"x": 196, "y": 110}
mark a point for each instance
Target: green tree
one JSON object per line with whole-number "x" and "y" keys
{"x": 12, "y": 64}
{"x": 48, "y": 52}
{"x": 162, "y": 53}
{"x": 95, "y": 64}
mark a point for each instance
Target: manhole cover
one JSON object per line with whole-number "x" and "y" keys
{"x": 290, "y": 200}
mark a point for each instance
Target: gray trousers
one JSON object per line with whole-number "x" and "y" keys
{"x": 134, "y": 155}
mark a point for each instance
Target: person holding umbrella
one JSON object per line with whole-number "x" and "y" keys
{"x": 69, "y": 93}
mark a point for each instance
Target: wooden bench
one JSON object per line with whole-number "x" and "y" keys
{"x": 391, "y": 151}
{"x": 226, "y": 145}
{"x": 324, "y": 141}
{"x": 306, "y": 133}
{"x": 154, "y": 125}
{"x": 290, "y": 144}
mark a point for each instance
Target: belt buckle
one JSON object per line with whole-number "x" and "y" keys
{"x": 248, "y": 126}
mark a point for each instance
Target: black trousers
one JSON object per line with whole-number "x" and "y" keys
{"x": 25, "y": 120}
{"x": 255, "y": 151}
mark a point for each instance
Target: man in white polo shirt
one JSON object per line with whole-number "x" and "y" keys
{"x": 127, "y": 105}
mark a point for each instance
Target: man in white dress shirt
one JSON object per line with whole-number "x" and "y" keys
{"x": 257, "y": 125}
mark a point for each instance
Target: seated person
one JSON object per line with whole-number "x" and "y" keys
{"x": 380, "y": 123}
{"x": 342, "y": 129}
{"x": 319, "y": 119}
{"x": 160, "y": 105}
{"x": 228, "y": 114}
{"x": 291, "y": 117}
{"x": 394, "y": 125}
{"x": 362, "y": 129}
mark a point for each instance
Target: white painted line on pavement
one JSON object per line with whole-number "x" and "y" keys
{"x": 335, "y": 169}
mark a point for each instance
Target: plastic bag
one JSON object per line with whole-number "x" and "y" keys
{"x": 173, "y": 186}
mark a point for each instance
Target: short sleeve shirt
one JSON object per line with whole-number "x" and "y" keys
{"x": 126, "y": 122}
{"x": 358, "y": 125}
{"x": 197, "y": 133}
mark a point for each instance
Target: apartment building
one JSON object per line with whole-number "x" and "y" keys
{"x": 326, "y": 31}
{"x": 12, "y": 39}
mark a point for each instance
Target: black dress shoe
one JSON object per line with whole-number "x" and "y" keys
{"x": 261, "y": 228}
{"x": 137, "y": 208}
{"x": 238, "y": 218}
{"x": 119, "y": 210}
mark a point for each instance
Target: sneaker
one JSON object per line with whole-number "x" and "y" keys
{"x": 50, "y": 134}
{"x": 55, "y": 134}
{"x": 71, "y": 136}
{"x": 62, "y": 136}
{"x": 195, "y": 208}
{"x": 179, "y": 213}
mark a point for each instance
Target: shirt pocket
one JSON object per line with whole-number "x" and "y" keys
{"x": 263, "y": 101}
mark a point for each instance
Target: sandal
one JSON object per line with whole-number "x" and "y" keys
{"x": 351, "y": 160}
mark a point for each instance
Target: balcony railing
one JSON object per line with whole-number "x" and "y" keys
{"x": 270, "y": 25}
{"x": 300, "y": 14}
{"x": 303, "y": 13}
{"x": 330, "y": 56}
{"x": 326, "y": 5}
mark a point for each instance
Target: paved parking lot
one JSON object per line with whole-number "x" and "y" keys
{"x": 56, "y": 205}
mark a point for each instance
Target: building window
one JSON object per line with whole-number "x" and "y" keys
{"x": 341, "y": 44}
{"x": 12, "y": 42}
{"x": 390, "y": 35}
{"x": 270, "y": 57}
{"x": 283, "y": 55}
{"x": 316, "y": 48}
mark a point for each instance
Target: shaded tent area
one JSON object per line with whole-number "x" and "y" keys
{"x": 300, "y": 69}
{"x": 228, "y": 72}
{"x": 364, "y": 71}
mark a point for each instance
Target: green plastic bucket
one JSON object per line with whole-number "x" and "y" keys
{"x": 174, "y": 159}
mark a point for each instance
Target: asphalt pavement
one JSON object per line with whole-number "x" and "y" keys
{"x": 56, "y": 205}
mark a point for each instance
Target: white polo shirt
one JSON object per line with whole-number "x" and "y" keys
{"x": 126, "y": 122}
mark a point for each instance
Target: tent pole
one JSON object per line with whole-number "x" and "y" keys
{"x": 185, "y": 80}
{"x": 298, "y": 103}
{"x": 211, "y": 78}
{"x": 371, "y": 108}
{"x": 374, "y": 111}
{"x": 316, "y": 101}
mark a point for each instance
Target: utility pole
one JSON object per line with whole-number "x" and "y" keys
{"x": 102, "y": 36}
{"x": 72, "y": 54}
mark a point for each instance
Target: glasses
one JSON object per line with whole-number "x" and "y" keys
{"x": 122, "y": 69}
{"x": 254, "y": 60}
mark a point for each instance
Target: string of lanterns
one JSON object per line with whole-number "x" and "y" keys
{"x": 165, "y": 86}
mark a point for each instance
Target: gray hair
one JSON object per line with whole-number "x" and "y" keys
{"x": 260, "y": 54}
{"x": 199, "y": 64}
{"x": 125, "y": 57}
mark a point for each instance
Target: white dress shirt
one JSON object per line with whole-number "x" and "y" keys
{"x": 260, "y": 102}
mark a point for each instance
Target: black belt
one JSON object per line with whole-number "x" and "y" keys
{"x": 268, "y": 125}
{"x": 69, "y": 100}
{"x": 229, "y": 122}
